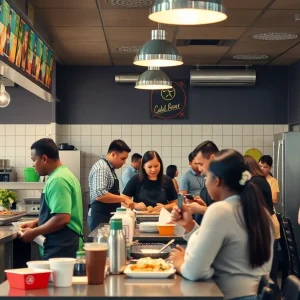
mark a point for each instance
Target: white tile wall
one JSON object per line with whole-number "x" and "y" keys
{"x": 172, "y": 142}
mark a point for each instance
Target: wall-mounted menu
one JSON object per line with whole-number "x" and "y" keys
{"x": 171, "y": 103}
{"x": 23, "y": 48}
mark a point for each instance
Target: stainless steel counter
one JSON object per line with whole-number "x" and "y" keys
{"x": 119, "y": 286}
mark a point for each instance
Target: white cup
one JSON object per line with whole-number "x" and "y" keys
{"x": 40, "y": 264}
{"x": 63, "y": 269}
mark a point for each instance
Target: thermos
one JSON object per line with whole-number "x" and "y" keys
{"x": 117, "y": 247}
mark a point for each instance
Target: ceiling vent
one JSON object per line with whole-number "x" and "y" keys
{"x": 222, "y": 77}
{"x": 131, "y": 3}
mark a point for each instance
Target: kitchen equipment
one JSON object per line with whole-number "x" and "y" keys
{"x": 7, "y": 174}
{"x": 166, "y": 246}
{"x": 32, "y": 205}
{"x": 286, "y": 170}
{"x": 28, "y": 279}
{"x": 66, "y": 146}
{"x": 117, "y": 247}
{"x": 31, "y": 175}
{"x": 4, "y": 163}
{"x": 15, "y": 216}
{"x": 150, "y": 250}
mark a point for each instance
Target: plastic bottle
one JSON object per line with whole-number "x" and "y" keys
{"x": 131, "y": 214}
{"x": 79, "y": 267}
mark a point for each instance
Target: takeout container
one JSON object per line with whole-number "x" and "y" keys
{"x": 28, "y": 279}
{"x": 166, "y": 229}
{"x": 39, "y": 264}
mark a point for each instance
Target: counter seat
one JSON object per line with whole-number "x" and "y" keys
{"x": 119, "y": 286}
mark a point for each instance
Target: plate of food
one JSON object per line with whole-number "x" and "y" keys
{"x": 150, "y": 268}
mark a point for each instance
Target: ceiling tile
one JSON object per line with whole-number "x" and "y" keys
{"x": 127, "y": 17}
{"x": 134, "y": 34}
{"x": 77, "y": 47}
{"x": 232, "y": 62}
{"x": 63, "y": 3}
{"x": 286, "y": 4}
{"x": 76, "y": 33}
{"x": 69, "y": 17}
{"x": 246, "y": 4}
{"x": 278, "y": 18}
{"x": 288, "y": 57}
{"x": 123, "y": 59}
{"x": 88, "y": 59}
{"x": 104, "y": 4}
{"x": 200, "y": 32}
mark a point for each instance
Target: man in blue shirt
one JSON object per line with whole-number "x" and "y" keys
{"x": 192, "y": 181}
{"x": 136, "y": 162}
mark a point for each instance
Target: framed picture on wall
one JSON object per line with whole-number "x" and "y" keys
{"x": 171, "y": 103}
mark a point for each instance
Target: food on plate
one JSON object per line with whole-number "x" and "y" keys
{"x": 150, "y": 209}
{"x": 148, "y": 264}
{"x": 8, "y": 213}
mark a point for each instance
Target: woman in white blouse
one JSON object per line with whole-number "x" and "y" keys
{"x": 235, "y": 240}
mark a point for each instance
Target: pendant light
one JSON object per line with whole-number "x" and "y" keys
{"x": 153, "y": 79}
{"x": 158, "y": 52}
{"x": 187, "y": 12}
{"x": 4, "y": 95}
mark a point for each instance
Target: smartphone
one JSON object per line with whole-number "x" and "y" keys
{"x": 189, "y": 197}
{"x": 179, "y": 201}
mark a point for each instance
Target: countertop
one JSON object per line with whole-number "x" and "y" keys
{"x": 117, "y": 286}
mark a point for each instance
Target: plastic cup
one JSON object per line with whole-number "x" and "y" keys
{"x": 62, "y": 269}
{"x": 95, "y": 260}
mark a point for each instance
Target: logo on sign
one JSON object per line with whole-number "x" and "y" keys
{"x": 30, "y": 280}
{"x": 169, "y": 94}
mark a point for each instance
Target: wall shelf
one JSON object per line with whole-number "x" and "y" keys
{"x": 22, "y": 185}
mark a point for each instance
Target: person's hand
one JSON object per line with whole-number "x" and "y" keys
{"x": 128, "y": 202}
{"x": 200, "y": 201}
{"x": 177, "y": 257}
{"x": 28, "y": 235}
{"x": 140, "y": 206}
{"x": 182, "y": 217}
{"x": 30, "y": 224}
{"x": 158, "y": 207}
{"x": 197, "y": 208}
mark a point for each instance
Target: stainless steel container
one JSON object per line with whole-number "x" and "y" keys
{"x": 4, "y": 163}
{"x": 117, "y": 247}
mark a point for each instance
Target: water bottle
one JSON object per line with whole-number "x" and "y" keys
{"x": 117, "y": 247}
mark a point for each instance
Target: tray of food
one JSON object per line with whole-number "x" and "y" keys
{"x": 150, "y": 268}
{"x": 8, "y": 216}
{"x": 148, "y": 212}
{"x": 149, "y": 250}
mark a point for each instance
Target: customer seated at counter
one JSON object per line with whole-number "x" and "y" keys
{"x": 151, "y": 188}
{"x": 235, "y": 240}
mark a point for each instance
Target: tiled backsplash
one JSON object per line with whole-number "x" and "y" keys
{"x": 172, "y": 142}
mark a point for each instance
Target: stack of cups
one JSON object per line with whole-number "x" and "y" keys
{"x": 95, "y": 260}
{"x": 62, "y": 270}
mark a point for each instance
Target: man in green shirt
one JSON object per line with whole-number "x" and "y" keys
{"x": 61, "y": 217}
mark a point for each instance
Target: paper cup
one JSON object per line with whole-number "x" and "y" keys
{"x": 39, "y": 264}
{"x": 62, "y": 269}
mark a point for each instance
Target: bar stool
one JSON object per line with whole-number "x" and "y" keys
{"x": 291, "y": 289}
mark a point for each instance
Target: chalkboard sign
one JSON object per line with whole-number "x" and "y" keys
{"x": 169, "y": 104}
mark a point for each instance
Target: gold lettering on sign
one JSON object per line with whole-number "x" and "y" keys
{"x": 166, "y": 108}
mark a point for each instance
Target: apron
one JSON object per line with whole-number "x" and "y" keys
{"x": 152, "y": 196}
{"x": 101, "y": 212}
{"x": 62, "y": 243}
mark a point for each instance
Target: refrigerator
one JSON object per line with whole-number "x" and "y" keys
{"x": 286, "y": 168}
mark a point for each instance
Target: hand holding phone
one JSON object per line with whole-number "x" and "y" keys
{"x": 189, "y": 197}
{"x": 179, "y": 201}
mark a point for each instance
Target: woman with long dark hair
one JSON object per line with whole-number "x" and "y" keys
{"x": 260, "y": 180}
{"x": 172, "y": 172}
{"x": 151, "y": 189}
{"x": 234, "y": 241}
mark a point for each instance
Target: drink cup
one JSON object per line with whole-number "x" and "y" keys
{"x": 62, "y": 271}
{"x": 95, "y": 259}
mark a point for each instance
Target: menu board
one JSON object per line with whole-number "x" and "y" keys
{"x": 23, "y": 48}
{"x": 9, "y": 31}
{"x": 171, "y": 103}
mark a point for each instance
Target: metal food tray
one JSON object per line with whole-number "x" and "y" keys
{"x": 136, "y": 251}
{"x": 6, "y": 219}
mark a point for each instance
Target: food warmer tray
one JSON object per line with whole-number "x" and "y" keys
{"x": 6, "y": 219}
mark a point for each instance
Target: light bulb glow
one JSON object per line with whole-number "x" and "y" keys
{"x": 4, "y": 97}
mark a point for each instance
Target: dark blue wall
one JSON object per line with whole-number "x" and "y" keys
{"x": 294, "y": 94}
{"x": 89, "y": 95}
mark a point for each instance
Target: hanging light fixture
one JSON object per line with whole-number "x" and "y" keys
{"x": 187, "y": 12}
{"x": 4, "y": 95}
{"x": 153, "y": 79}
{"x": 158, "y": 52}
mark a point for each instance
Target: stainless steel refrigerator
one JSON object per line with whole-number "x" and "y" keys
{"x": 286, "y": 155}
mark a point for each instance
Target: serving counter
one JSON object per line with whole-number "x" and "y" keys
{"x": 118, "y": 286}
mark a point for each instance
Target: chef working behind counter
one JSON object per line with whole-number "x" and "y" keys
{"x": 151, "y": 187}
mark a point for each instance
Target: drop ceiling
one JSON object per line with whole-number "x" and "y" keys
{"x": 89, "y": 32}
